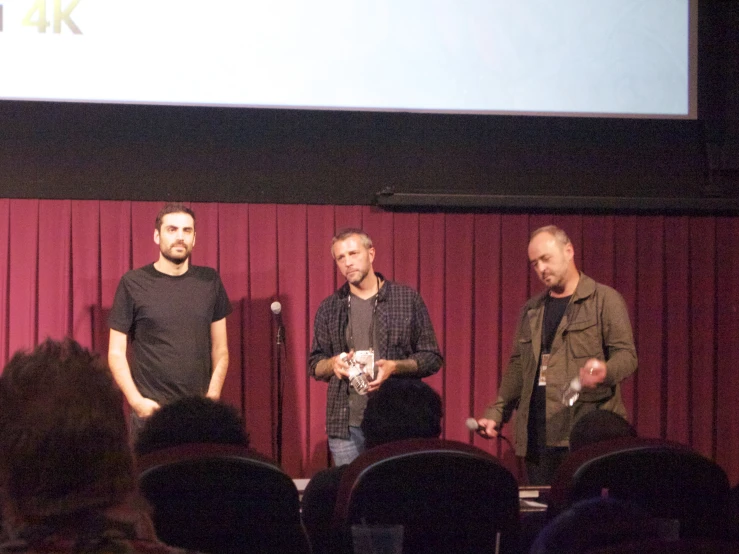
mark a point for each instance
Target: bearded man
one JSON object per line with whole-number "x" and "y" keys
{"x": 381, "y": 322}
{"x": 174, "y": 314}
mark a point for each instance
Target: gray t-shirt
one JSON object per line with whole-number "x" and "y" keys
{"x": 358, "y": 338}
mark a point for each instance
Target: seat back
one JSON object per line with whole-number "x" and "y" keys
{"x": 669, "y": 481}
{"x": 449, "y": 496}
{"x": 680, "y": 546}
{"x": 221, "y": 498}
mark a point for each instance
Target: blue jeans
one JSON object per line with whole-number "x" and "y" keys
{"x": 343, "y": 451}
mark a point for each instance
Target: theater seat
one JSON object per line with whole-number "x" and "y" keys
{"x": 681, "y": 546}
{"x": 221, "y": 499}
{"x": 448, "y": 495}
{"x": 666, "y": 479}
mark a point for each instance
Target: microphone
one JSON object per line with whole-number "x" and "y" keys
{"x": 276, "y": 308}
{"x": 473, "y": 426}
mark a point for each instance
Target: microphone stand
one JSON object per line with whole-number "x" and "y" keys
{"x": 280, "y": 347}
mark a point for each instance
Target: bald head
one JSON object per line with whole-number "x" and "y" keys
{"x": 552, "y": 257}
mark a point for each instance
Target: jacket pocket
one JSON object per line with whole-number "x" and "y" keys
{"x": 584, "y": 340}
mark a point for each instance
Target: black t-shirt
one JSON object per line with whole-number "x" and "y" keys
{"x": 554, "y": 310}
{"x": 168, "y": 319}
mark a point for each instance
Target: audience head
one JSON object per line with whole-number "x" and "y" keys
{"x": 591, "y": 524}
{"x": 599, "y": 425}
{"x": 63, "y": 439}
{"x": 402, "y": 409}
{"x": 193, "y": 419}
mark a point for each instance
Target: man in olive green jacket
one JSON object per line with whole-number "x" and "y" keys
{"x": 576, "y": 329}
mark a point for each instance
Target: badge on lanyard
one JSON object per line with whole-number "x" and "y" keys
{"x": 543, "y": 370}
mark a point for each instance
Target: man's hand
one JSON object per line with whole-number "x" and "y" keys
{"x": 340, "y": 364}
{"x": 489, "y": 428}
{"x": 385, "y": 368}
{"x": 145, "y": 407}
{"x": 592, "y": 373}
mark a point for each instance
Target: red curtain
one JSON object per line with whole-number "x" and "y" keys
{"x": 61, "y": 260}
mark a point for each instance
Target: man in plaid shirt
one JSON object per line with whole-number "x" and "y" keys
{"x": 372, "y": 316}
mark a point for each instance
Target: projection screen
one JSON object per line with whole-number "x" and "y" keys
{"x": 612, "y": 58}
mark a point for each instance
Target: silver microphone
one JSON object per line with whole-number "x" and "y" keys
{"x": 276, "y": 308}
{"x": 473, "y": 426}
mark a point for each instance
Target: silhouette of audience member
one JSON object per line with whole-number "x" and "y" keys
{"x": 192, "y": 419}
{"x": 400, "y": 409}
{"x": 595, "y": 426}
{"x": 591, "y": 524}
{"x": 66, "y": 468}
{"x": 599, "y": 425}
{"x": 734, "y": 499}
{"x": 224, "y": 502}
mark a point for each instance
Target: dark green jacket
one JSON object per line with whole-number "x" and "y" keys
{"x": 595, "y": 325}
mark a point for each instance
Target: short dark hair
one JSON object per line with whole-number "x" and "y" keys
{"x": 63, "y": 438}
{"x": 192, "y": 419}
{"x": 402, "y": 408}
{"x": 172, "y": 208}
{"x": 599, "y": 425}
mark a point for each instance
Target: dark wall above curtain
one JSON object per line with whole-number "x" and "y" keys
{"x": 209, "y": 154}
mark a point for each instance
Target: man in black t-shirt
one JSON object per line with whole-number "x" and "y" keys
{"x": 577, "y": 330}
{"x": 175, "y": 316}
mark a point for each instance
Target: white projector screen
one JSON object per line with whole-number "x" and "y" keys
{"x": 622, "y": 58}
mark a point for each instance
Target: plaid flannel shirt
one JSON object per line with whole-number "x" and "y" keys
{"x": 403, "y": 330}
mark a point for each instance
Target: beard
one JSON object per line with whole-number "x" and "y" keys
{"x": 556, "y": 282}
{"x": 176, "y": 259}
{"x": 357, "y": 277}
